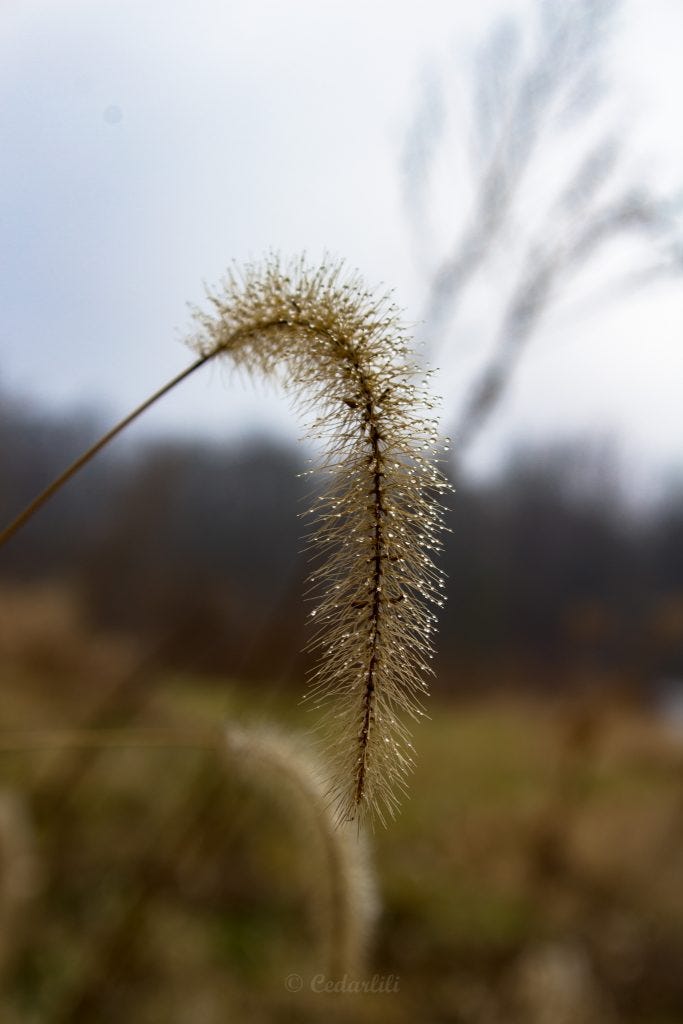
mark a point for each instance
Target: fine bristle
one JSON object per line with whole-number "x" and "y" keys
{"x": 377, "y": 522}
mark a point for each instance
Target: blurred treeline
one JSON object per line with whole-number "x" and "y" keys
{"x": 554, "y": 575}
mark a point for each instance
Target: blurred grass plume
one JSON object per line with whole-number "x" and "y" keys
{"x": 344, "y": 898}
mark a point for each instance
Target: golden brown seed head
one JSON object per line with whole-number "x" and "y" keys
{"x": 343, "y": 353}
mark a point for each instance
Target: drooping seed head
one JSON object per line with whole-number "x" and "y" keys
{"x": 343, "y": 354}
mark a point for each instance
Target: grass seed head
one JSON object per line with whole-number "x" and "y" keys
{"x": 342, "y": 353}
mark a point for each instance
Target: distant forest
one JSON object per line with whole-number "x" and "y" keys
{"x": 199, "y": 548}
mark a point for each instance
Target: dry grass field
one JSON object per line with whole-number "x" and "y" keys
{"x": 533, "y": 876}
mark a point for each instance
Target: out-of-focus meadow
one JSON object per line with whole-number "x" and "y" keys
{"x": 534, "y": 873}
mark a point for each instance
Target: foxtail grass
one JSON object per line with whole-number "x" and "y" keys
{"x": 344, "y": 356}
{"x": 344, "y": 894}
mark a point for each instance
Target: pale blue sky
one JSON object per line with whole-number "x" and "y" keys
{"x": 146, "y": 145}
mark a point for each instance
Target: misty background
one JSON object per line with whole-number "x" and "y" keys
{"x": 512, "y": 173}
{"x": 147, "y": 146}
{"x": 513, "y": 170}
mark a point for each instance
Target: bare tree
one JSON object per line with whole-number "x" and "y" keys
{"x": 535, "y": 102}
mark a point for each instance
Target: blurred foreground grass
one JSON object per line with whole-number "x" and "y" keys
{"x": 535, "y": 874}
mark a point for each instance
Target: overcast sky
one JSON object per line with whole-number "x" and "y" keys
{"x": 145, "y": 145}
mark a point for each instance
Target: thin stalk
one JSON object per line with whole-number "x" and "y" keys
{"x": 29, "y": 740}
{"x": 83, "y": 459}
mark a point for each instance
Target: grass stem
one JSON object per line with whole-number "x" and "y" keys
{"x": 83, "y": 459}
{"x": 26, "y": 740}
